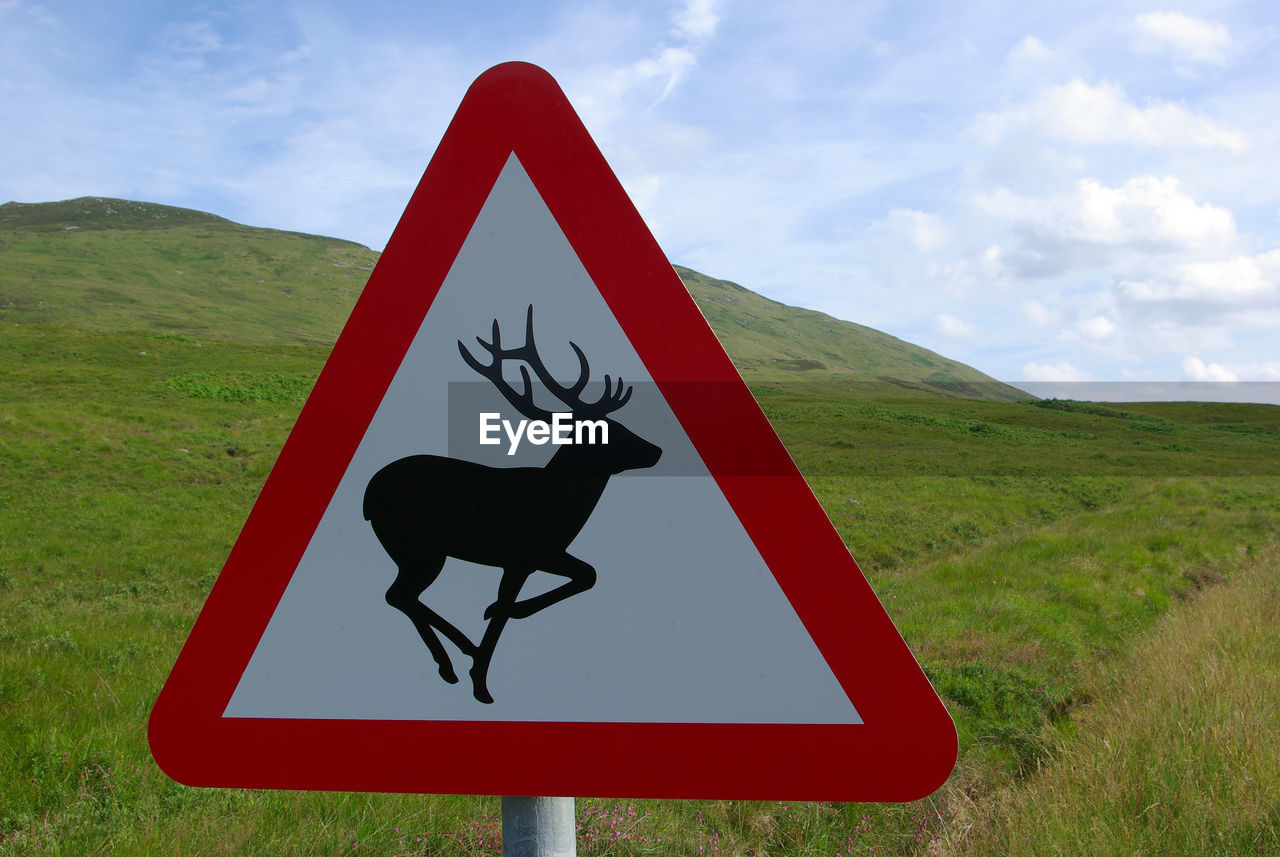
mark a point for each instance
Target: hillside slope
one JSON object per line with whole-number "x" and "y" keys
{"x": 773, "y": 342}
{"x": 110, "y": 264}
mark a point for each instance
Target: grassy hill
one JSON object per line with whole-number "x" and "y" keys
{"x": 110, "y": 264}
{"x": 113, "y": 265}
{"x": 774, "y": 342}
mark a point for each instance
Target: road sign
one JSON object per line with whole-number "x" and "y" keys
{"x": 531, "y": 533}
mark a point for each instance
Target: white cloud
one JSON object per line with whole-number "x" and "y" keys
{"x": 697, "y": 20}
{"x": 621, "y": 93}
{"x": 1196, "y": 369}
{"x": 1060, "y": 371}
{"x": 1240, "y": 281}
{"x": 1267, "y": 371}
{"x": 976, "y": 274}
{"x": 1039, "y": 314}
{"x": 924, "y": 230}
{"x": 1079, "y": 113}
{"x": 1145, "y": 210}
{"x": 1030, "y": 48}
{"x": 1186, "y": 37}
{"x": 1096, "y": 328}
{"x": 671, "y": 63}
{"x": 992, "y": 261}
{"x": 954, "y": 328}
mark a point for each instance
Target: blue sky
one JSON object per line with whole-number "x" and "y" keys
{"x": 1049, "y": 192}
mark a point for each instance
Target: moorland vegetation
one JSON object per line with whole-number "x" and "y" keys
{"x": 1091, "y": 588}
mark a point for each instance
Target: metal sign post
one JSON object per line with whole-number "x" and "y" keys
{"x": 538, "y": 827}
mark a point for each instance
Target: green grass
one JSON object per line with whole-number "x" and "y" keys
{"x": 1027, "y": 551}
{"x": 1016, "y": 547}
{"x": 115, "y": 265}
{"x": 1178, "y": 757}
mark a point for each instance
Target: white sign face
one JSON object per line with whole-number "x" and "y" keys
{"x": 684, "y": 623}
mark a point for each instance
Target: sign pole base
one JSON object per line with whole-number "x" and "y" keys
{"x": 538, "y": 827}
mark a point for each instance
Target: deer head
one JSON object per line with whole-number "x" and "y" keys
{"x": 624, "y": 450}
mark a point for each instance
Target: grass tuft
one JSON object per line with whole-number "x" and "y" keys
{"x": 1178, "y": 754}
{"x": 242, "y": 386}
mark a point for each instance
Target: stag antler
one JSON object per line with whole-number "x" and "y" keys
{"x": 613, "y": 398}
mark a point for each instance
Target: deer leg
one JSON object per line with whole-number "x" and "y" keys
{"x": 403, "y": 595}
{"x": 497, "y": 614}
{"x": 581, "y": 578}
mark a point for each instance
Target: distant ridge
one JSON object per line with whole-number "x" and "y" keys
{"x": 96, "y": 212}
{"x": 100, "y": 212}
{"x": 771, "y": 341}
{"x": 113, "y": 264}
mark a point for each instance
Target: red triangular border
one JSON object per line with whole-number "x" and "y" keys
{"x": 905, "y": 747}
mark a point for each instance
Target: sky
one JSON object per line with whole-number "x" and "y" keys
{"x": 1066, "y": 192}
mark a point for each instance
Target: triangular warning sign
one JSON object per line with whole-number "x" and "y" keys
{"x": 532, "y": 535}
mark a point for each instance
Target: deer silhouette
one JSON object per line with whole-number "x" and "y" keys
{"x": 426, "y": 508}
